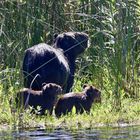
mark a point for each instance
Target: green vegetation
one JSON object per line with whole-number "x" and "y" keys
{"x": 111, "y": 63}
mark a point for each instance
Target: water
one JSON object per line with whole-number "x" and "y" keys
{"x": 104, "y": 133}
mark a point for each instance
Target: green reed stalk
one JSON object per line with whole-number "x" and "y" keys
{"x": 111, "y": 62}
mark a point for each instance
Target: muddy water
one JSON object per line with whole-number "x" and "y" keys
{"x": 103, "y": 133}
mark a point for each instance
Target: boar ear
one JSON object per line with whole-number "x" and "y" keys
{"x": 55, "y": 35}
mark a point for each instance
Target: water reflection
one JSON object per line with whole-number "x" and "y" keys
{"x": 104, "y": 133}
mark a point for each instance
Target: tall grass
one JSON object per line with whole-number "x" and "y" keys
{"x": 112, "y": 62}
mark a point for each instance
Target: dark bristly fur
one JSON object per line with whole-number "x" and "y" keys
{"x": 73, "y": 44}
{"x": 44, "y": 98}
{"x": 54, "y": 64}
{"x": 82, "y": 101}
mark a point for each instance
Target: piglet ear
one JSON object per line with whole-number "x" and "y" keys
{"x": 91, "y": 87}
{"x": 50, "y": 85}
{"x": 43, "y": 84}
{"x": 85, "y": 85}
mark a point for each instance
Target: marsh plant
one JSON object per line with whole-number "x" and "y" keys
{"x": 112, "y": 62}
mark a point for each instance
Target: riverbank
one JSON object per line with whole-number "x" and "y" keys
{"x": 101, "y": 115}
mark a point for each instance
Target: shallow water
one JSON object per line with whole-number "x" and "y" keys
{"x": 103, "y": 133}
